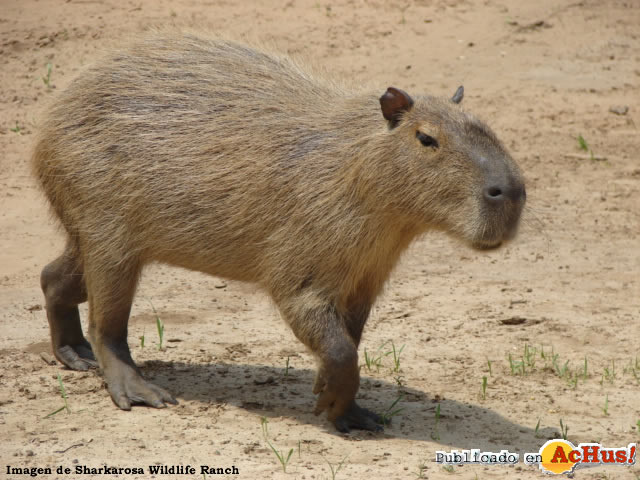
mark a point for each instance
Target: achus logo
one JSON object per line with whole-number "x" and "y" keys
{"x": 561, "y": 456}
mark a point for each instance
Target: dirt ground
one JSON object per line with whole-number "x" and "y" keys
{"x": 551, "y": 321}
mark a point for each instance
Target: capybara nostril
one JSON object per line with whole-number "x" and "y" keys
{"x": 493, "y": 194}
{"x": 496, "y": 194}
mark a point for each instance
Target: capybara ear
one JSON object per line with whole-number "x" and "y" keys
{"x": 394, "y": 103}
{"x": 457, "y": 97}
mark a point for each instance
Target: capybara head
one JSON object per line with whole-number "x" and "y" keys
{"x": 462, "y": 178}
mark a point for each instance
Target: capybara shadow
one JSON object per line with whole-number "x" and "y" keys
{"x": 271, "y": 392}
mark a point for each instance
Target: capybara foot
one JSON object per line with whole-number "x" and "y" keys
{"x": 339, "y": 384}
{"x": 359, "y": 418}
{"x": 76, "y": 357}
{"x": 127, "y": 387}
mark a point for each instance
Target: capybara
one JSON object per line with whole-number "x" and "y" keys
{"x": 242, "y": 163}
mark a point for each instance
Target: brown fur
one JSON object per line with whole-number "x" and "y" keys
{"x": 226, "y": 159}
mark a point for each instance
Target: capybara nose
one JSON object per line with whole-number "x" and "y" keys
{"x": 497, "y": 193}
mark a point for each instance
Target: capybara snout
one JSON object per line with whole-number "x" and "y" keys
{"x": 227, "y": 159}
{"x": 502, "y": 197}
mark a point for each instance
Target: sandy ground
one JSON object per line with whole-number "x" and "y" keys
{"x": 565, "y": 293}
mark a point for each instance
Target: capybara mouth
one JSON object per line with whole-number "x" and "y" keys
{"x": 492, "y": 240}
{"x": 482, "y": 245}
{"x": 498, "y": 231}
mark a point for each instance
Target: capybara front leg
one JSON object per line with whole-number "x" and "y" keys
{"x": 110, "y": 298}
{"x": 324, "y": 331}
{"x": 62, "y": 282}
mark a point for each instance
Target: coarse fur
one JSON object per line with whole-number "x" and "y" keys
{"x": 234, "y": 161}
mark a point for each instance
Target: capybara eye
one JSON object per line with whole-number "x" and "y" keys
{"x": 427, "y": 140}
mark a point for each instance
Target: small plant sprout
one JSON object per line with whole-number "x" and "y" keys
{"x": 605, "y": 409}
{"x": 529, "y": 356}
{"x": 17, "y": 129}
{"x": 335, "y": 469}
{"x": 529, "y": 362}
{"x": 633, "y": 368}
{"x": 142, "y": 338}
{"x": 449, "y": 468}
{"x": 585, "y": 372}
{"x": 561, "y": 370}
{"x": 403, "y": 20}
{"x": 421, "y": 469}
{"x": 159, "y": 325}
{"x": 609, "y": 374}
{"x": 537, "y": 431}
{"x": 392, "y": 411}
{"x": 280, "y": 455}
{"x": 489, "y": 365}
{"x": 517, "y": 366}
{"x": 368, "y": 360}
{"x": 526, "y": 362}
{"x": 286, "y": 367}
{"x": 582, "y": 144}
{"x": 375, "y": 359}
{"x": 396, "y": 357}
{"x": 564, "y": 429}
{"x": 422, "y": 466}
{"x": 435, "y": 434}
{"x": 47, "y": 77}
{"x": 484, "y": 387}
{"x": 63, "y": 394}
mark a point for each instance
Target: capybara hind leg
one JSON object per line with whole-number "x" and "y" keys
{"x": 63, "y": 285}
{"x": 110, "y": 298}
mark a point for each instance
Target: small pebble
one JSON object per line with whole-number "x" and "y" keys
{"x": 619, "y": 109}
